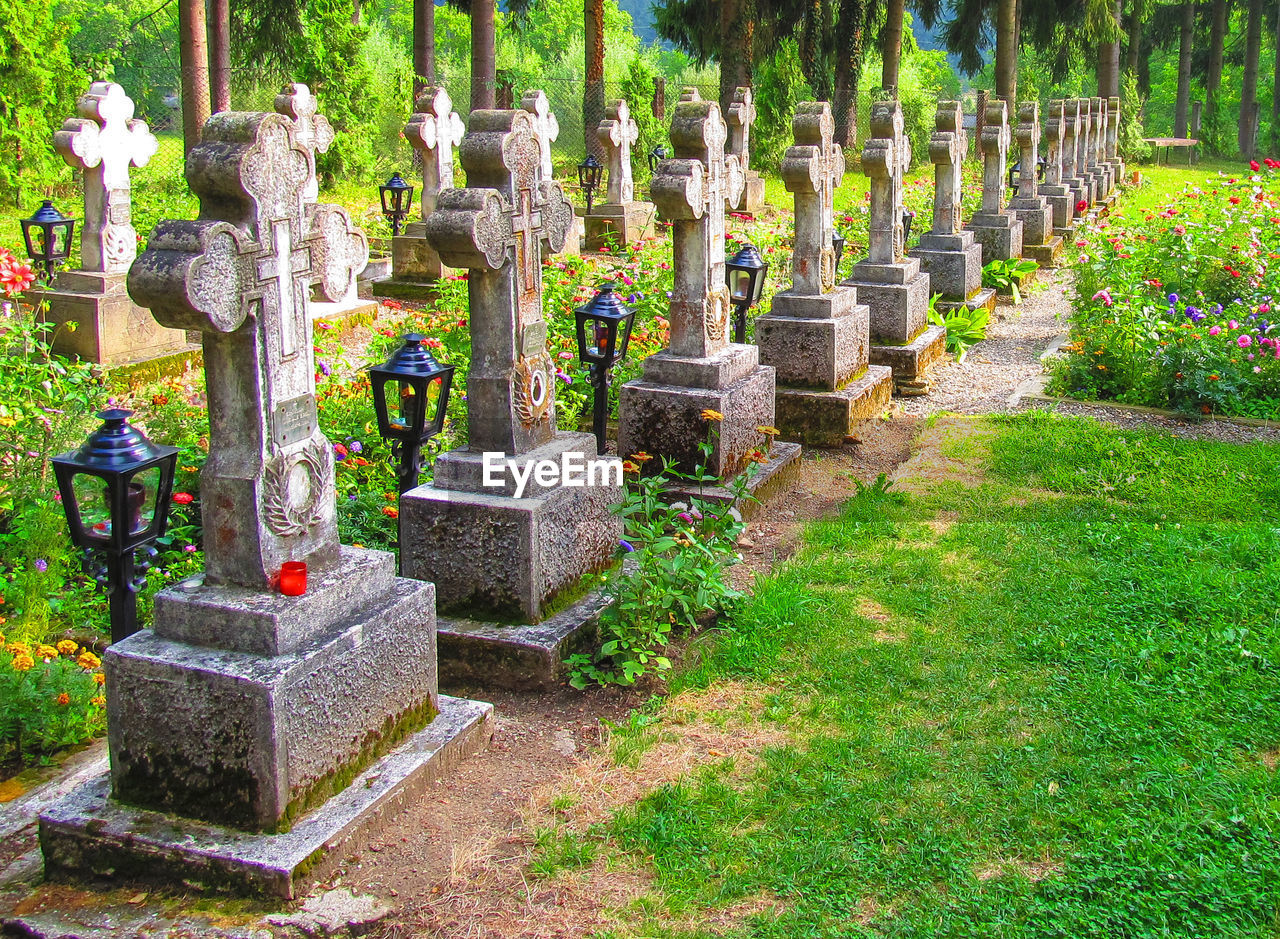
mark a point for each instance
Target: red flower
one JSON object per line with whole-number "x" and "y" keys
{"x": 1081, "y": 205}
{"x": 1234, "y": 200}
{"x": 15, "y": 276}
{"x": 183, "y": 498}
{"x": 1253, "y": 165}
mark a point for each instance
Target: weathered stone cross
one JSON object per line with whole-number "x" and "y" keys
{"x": 742, "y": 114}
{"x": 545, "y": 126}
{"x": 496, "y": 228}
{"x": 1054, "y": 141}
{"x": 434, "y": 130}
{"x": 1028, "y": 148}
{"x": 995, "y": 152}
{"x": 244, "y": 282}
{"x": 310, "y": 129}
{"x": 885, "y": 159}
{"x": 812, "y": 169}
{"x": 104, "y": 142}
{"x": 618, "y": 132}
{"x": 1070, "y": 138}
{"x": 1113, "y": 130}
{"x": 690, "y": 191}
{"x": 947, "y": 147}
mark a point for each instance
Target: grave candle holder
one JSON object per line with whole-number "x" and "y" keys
{"x": 293, "y": 578}
{"x": 744, "y": 274}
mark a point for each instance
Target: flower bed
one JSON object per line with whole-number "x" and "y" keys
{"x": 1177, "y": 309}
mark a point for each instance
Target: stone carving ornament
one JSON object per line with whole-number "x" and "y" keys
{"x": 812, "y": 169}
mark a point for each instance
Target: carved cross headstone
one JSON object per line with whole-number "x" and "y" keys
{"x": 1084, "y": 142}
{"x": 311, "y": 129}
{"x": 1053, "y": 142}
{"x": 742, "y": 114}
{"x": 1113, "y": 128}
{"x": 434, "y": 130}
{"x": 995, "y": 153}
{"x": 1028, "y": 148}
{"x": 947, "y": 149}
{"x": 1100, "y": 130}
{"x": 244, "y": 282}
{"x": 812, "y": 169}
{"x": 885, "y": 159}
{"x": 496, "y": 228}
{"x": 1070, "y": 138}
{"x": 689, "y": 93}
{"x": 104, "y": 142}
{"x": 545, "y": 126}
{"x": 618, "y": 132}
{"x": 690, "y": 191}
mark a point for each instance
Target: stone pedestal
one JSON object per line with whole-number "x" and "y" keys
{"x": 1062, "y": 205}
{"x": 618, "y": 225}
{"x": 898, "y": 297}
{"x": 752, "y": 198}
{"x": 911, "y": 361}
{"x": 1046, "y": 255}
{"x": 999, "y": 233}
{"x": 416, "y": 266}
{"x": 953, "y": 263}
{"x": 97, "y": 321}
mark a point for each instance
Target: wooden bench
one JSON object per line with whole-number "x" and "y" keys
{"x": 1169, "y": 143}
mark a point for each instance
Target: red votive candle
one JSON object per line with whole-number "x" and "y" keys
{"x": 293, "y": 578}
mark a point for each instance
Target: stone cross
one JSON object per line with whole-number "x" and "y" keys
{"x": 1084, "y": 138}
{"x": 545, "y": 126}
{"x": 995, "y": 152}
{"x": 496, "y": 228}
{"x": 244, "y": 281}
{"x": 1070, "y": 138}
{"x": 947, "y": 149}
{"x": 812, "y": 169}
{"x": 1113, "y": 128}
{"x": 311, "y": 129}
{"x": 885, "y": 159}
{"x": 689, "y": 93}
{"x": 434, "y": 130}
{"x": 742, "y": 114}
{"x": 104, "y": 142}
{"x": 1100, "y": 130}
{"x": 690, "y": 190}
{"x": 618, "y": 132}
{"x": 1054, "y": 141}
{"x": 1028, "y": 148}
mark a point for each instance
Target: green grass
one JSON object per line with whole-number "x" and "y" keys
{"x": 1062, "y": 729}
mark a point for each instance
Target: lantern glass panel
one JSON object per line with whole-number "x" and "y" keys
{"x": 142, "y": 498}
{"x": 93, "y": 503}
{"x": 740, "y": 286}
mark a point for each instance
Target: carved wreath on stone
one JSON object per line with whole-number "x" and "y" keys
{"x": 287, "y": 513}
{"x": 717, "y": 322}
{"x": 532, "y": 391}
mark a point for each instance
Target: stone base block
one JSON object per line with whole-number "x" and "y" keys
{"x": 911, "y": 362}
{"x": 665, "y": 420}
{"x": 982, "y": 298}
{"x": 1000, "y": 235}
{"x": 613, "y": 225}
{"x": 829, "y": 418}
{"x": 752, "y": 198}
{"x": 780, "y": 472}
{"x": 413, "y": 258}
{"x": 1036, "y": 217}
{"x": 95, "y": 320}
{"x": 255, "y": 741}
{"x": 491, "y": 555}
{"x": 88, "y": 834}
{"x": 953, "y": 263}
{"x": 897, "y": 296}
{"x": 345, "y": 309}
{"x": 395, "y": 288}
{"x": 810, "y": 349}
{"x": 521, "y": 656}
{"x": 1063, "y": 205}
{"x": 1047, "y": 255}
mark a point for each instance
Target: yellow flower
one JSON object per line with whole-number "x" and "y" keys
{"x": 768, "y": 431}
{"x": 629, "y": 466}
{"x": 23, "y": 663}
{"x": 63, "y": 699}
{"x": 67, "y": 647}
{"x": 99, "y": 678}
{"x": 709, "y": 415}
{"x": 642, "y": 457}
{"x": 17, "y": 648}
{"x": 88, "y": 661}
{"x": 46, "y": 652}
{"x": 99, "y": 701}
{"x": 758, "y": 456}
{"x": 682, "y": 539}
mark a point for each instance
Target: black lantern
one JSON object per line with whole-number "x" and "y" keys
{"x": 397, "y": 200}
{"x": 837, "y": 245}
{"x": 413, "y": 377}
{"x": 656, "y": 156}
{"x": 604, "y": 332}
{"x": 1041, "y": 163}
{"x": 116, "y": 490}
{"x": 907, "y": 218}
{"x": 744, "y": 273}
{"x": 589, "y": 171}
{"x": 48, "y": 236}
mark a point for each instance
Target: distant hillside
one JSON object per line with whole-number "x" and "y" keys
{"x": 641, "y": 18}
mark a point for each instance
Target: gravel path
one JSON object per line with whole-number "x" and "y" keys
{"x": 998, "y": 372}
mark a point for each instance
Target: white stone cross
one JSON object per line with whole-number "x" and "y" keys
{"x": 1100, "y": 130}
{"x": 742, "y": 114}
{"x": 619, "y": 132}
{"x": 104, "y": 142}
{"x": 310, "y": 128}
{"x": 434, "y": 130}
{"x": 1113, "y": 129}
{"x": 1084, "y": 137}
{"x": 496, "y": 228}
{"x": 995, "y": 153}
{"x": 811, "y": 170}
{"x": 1054, "y": 142}
{"x": 1070, "y": 139}
{"x": 1028, "y": 148}
{"x": 885, "y": 159}
{"x": 245, "y": 283}
{"x": 947, "y": 147}
{"x": 690, "y": 190}
{"x": 545, "y": 126}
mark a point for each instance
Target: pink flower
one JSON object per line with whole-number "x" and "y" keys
{"x": 1105, "y": 296}
{"x": 183, "y": 498}
{"x": 1257, "y": 369}
{"x": 1232, "y": 324}
{"x": 1244, "y": 341}
{"x": 1214, "y": 330}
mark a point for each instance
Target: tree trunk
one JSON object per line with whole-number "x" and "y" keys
{"x": 355, "y": 12}
{"x": 484, "y": 55}
{"x": 1275, "y": 94}
{"x": 1246, "y": 134}
{"x": 1007, "y": 52}
{"x": 1135, "y": 37}
{"x": 1213, "y": 76}
{"x": 220, "y": 54}
{"x": 891, "y": 50}
{"x": 1109, "y": 62}
{"x": 735, "y": 64}
{"x": 848, "y": 72}
{"x": 1182, "y": 107}
{"x": 424, "y": 47}
{"x": 593, "y": 96}
{"x": 193, "y": 54}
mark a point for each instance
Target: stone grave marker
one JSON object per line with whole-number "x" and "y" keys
{"x": 1059, "y": 141}
{"x": 995, "y": 226}
{"x": 1075, "y": 127}
{"x": 620, "y": 219}
{"x": 1032, "y": 209}
{"x": 740, "y": 117}
{"x": 547, "y": 128}
{"x": 1113, "y": 139}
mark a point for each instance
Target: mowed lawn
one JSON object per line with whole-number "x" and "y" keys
{"x": 1032, "y": 688}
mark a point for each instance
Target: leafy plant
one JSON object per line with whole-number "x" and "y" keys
{"x": 965, "y": 328}
{"x": 1007, "y": 276}
{"x": 50, "y": 697}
